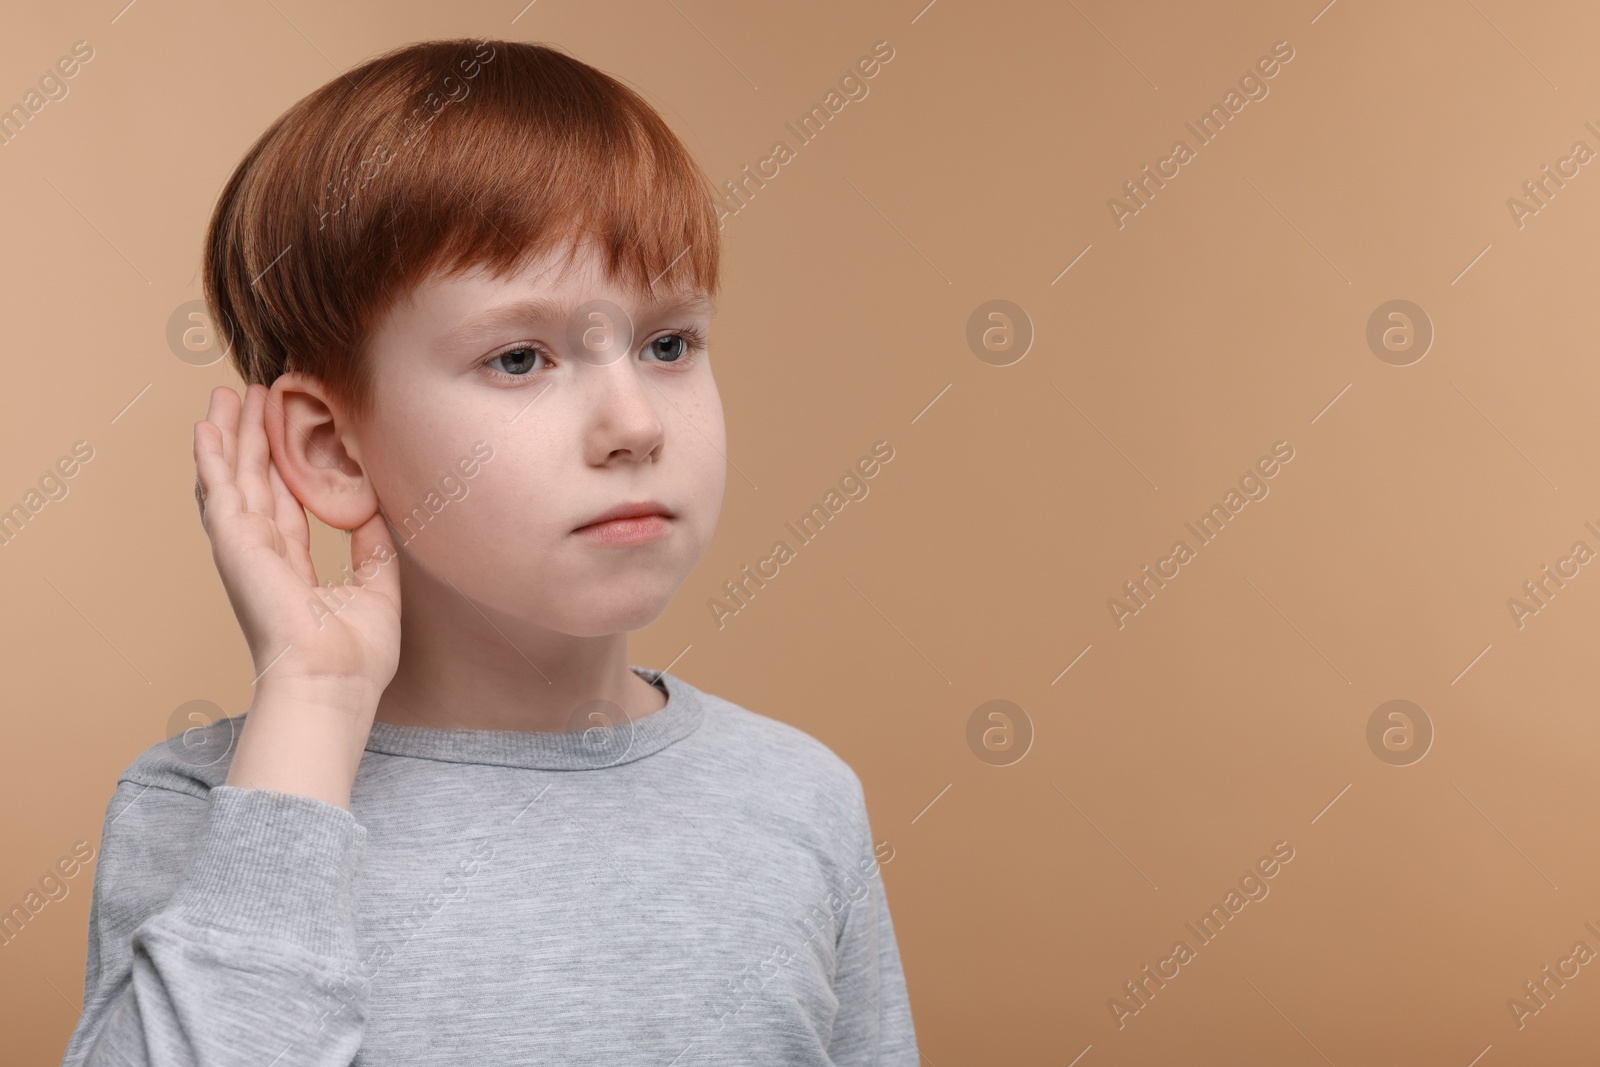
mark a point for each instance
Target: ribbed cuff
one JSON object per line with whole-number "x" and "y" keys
{"x": 277, "y": 865}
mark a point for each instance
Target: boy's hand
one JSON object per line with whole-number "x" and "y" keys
{"x": 322, "y": 661}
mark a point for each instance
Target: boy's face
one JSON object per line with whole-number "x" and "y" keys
{"x": 579, "y": 420}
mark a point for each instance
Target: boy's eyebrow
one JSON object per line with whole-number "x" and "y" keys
{"x": 546, "y": 309}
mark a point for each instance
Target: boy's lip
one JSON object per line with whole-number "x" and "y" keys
{"x": 630, "y": 511}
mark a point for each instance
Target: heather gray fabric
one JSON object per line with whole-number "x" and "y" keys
{"x": 699, "y": 887}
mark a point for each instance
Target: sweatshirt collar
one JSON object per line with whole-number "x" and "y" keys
{"x": 591, "y": 749}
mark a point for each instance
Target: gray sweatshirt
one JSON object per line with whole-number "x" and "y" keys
{"x": 695, "y": 887}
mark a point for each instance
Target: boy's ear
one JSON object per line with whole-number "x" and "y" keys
{"x": 314, "y": 447}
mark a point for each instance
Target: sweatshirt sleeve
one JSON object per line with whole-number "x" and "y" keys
{"x": 873, "y": 1026}
{"x": 222, "y": 931}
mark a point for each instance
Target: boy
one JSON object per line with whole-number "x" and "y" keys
{"x": 468, "y": 285}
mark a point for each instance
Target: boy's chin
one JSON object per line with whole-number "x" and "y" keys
{"x": 573, "y": 602}
{"x": 620, "y": 618}
{"x": 612, "y": 607}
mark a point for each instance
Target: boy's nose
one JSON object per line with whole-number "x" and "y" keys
{"x": 622, "y": 409}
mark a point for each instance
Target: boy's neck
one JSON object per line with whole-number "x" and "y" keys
{"x": 462, "y": 679}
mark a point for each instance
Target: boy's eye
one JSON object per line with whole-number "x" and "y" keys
{"x": 677, "y": 349}
{"x": 518, "y": 360}
{"x": 674, "y": 347}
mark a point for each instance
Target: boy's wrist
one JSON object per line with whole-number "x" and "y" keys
{"x": 351, "y": 698}
{"x": 305, "y": 738}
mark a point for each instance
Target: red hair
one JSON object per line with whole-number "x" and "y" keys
{"x": 441, "y": 156}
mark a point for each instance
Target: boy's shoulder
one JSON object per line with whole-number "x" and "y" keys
{"x": 192, "y": 762}
{"x": 777, "y": 751}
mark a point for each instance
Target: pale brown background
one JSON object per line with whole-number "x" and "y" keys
{"x": 1226, "y": 316}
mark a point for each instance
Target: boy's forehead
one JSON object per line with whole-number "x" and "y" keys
{"x": 542, "y": 288}
{"x": 463, "y": 308}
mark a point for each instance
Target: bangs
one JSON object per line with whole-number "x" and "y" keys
{"x": 436, "y": 159}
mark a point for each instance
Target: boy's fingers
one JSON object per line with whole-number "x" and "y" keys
{"x": 214, "y": 489}
{"x": 199, "y": 493}
{"x": 373, "y": 558}
{"x": 253, "y": 453}
{"x": 213, "y": 408}
{"x": 224, "y": 415}
{"x": 288, "y": 512}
